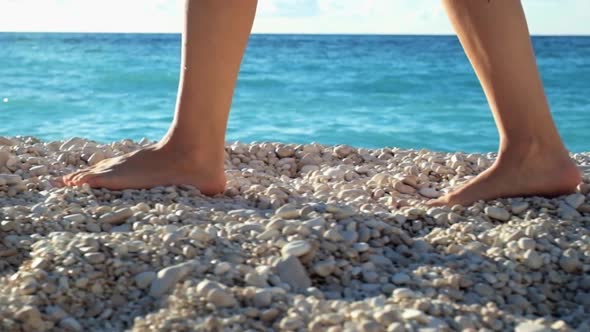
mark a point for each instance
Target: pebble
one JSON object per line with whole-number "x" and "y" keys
{"x": 526, "y": 243}
{"x": 340, "y": 212}
{"x": 205, "y": 286}
{"x": 70, "y": 324}
{"x": 429, "y": 192}
{"x": 575, "y": 200}
{"x": 570, "y": 263}
{"x": 95, "y": 158}
{"x": 531, "y": 327}
{"x": 532, "y": 259}
{"x": 75, "y": 218}
{"x": 94, "y": 257}
{"x": 4, "y": 156}
{"x": 262, "y": 298}
{"x": 291, "y": 271}
{"x": 31, "y": 317}
{"x": 308, "y": 237}
{"x": 55, "y": 313}
{"x": 403, "y": 294}
{"x": 324, "y": 268}
{"x": 168, "y": 277}
{"x": 400, "y": 278}
{"x": 413, "y": 314}
{"x": 296, "y": 248}
{"x": 519, "y": 207}
{"x": 221, "y": 298}
{"x": 497, "y": 213}
{"x": 11, "y": 179}
{"x": 5, "y": 141}
{"x": 404, "y": 188}
{"x": 222, "y": 268}
{"x": 483, "y": 289}
{"x": 144, "y": 279}
{"x": 285, "y": 151}
{"x": 287, "y": 211}
{"x": 117, "y": 217}
{"x": 38, "y": 170}
{"x": 94, "y": 227}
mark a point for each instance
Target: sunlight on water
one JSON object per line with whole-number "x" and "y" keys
{"x": 370, "y": 91}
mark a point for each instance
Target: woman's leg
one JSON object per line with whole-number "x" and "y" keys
{"x": 532, "y": 159}
{"x": 192, "y": 152}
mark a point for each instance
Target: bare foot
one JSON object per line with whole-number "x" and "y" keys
{"x": 151, "y": 167}
{"x": 532, "y": 172}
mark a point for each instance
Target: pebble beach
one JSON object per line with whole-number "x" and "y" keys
{"x": 305, "y": 238}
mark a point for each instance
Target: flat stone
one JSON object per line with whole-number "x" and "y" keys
{"x": 287, "y": 211}
{"x": 168, "y": 277}
{"x": 117, "y": 217}
{"x": 497, "y": 213}
{"x": 291, "y": 271}
{"x": 340, "y": 212}
{"x": 519, "y": 207}
{"x": 296, "y": 248}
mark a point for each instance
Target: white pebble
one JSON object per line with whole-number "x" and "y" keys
{"x": 296, "y": 248}
{"x": 497, "y": 213}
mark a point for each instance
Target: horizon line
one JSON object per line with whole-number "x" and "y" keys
{"x": 278, "y": 33}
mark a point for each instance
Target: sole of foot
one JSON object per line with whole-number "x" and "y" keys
{"x": 151, "y": 167}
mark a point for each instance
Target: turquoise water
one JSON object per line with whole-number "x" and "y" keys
{"x": 368, "y": 91}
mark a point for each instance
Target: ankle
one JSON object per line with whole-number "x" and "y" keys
{"x": 532, "y": 148}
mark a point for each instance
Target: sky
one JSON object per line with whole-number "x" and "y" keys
{"x": 546, "y": 17}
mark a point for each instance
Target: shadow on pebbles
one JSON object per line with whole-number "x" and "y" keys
{"x": 305, "y": 238}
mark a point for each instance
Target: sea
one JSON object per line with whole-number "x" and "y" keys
{"x": 362, "y": 90}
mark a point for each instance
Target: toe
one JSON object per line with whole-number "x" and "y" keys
{"x": 68, "y": 179}
{"x": 82, "y": 178}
